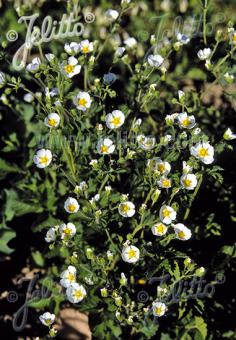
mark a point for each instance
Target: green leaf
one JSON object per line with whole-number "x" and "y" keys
{"x": 5, "y": 237}
{"x": 196, "y": 74}
{"x": 16, "y": 207}
{"x": 40, "y": 303}
{"x": 38, "y": 258}
{"x": 7, "y": 167}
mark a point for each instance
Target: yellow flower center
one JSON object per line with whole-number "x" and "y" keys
{"x": 116, "y": 121}
{"x": 159, "y": 310}
{"x": 71, "y": 277}
{"x": 44, "y": 160}
{"x": 78, "y": 294}
{"x": 131, "y": 253}
{"x": 160, "y": 228}
{"x": 141, "y": 281}
{"x": 125, "y": 208}
{"x": 82, "y": 101}
{"x": 166, "y": 213}
{"x": 71, "y": 207}
{"x": 186, "y": 122}
{"x": 203, "y": 152}
{"x": 104, "y": 149}
{"x": 181, "y": 234}
{"x": 67, "y": 231}
{"x": 166, "y": 183}
{"x": 85, "y": 49}
{"x": 161, "y": 168}
{"x": 52, "y": 122}
{"x": 187, "y": 182}
{"x": 234, "y": 38}
{"x": 69, "y": 68}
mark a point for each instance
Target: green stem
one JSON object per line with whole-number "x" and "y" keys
{"x": 193, "y": 197}
{"x": 140, "y": 225}
{"x": 41, "y": 52}
{"x": 85, "y": 78}
{"x": 204, "y": 22}
{"x": 103, "y": 183}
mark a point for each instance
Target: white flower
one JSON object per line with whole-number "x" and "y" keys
{"x": 126, "y": 209}
{"x": 50, "y": 235}
{"x": 229, "y": 135}
{"x": 52, "y": 120}
{"x": 155, "y": 60}
{"x": 110, "y": 255}
{"x": 204, "y": 54}
{"x": 75, "y": 293}
{"x": 86, "y": 46}
{"x": 2, "y": 79}
{"x": 95, "y": 199}
{"x": 170, "y": 119}
{"x": 28, "y": 98}
{"x": 34, "y": 65}
{"x": 130, "y": 42}
{"x": 42, "y": 158}
{"x": 164, "y": 182}
{"x": 158, "y": 308}
{"x": 93, "y": 162}
{"x": 208, "y": 64}
{"x": 183, "y": 39}
{"x": 82, "y": 101}
{"x": 81, "y": 187}
{"x": 162, "y": 167}
{"x": 119, "y": 52}
{"x": 181, "y": 95}
{"x": 51, "y": 93}
{"x": 71, "y": 205}
{"x": 68, "y": 276}
{"x": 49, "y": 56}
{"x": 67, "y": 230}
{"x": 159, "y": 229}
{"x": 70, "y": 68}
{"x": 229, "y": 77}
{"x": 125, "y": 2}
{"x": 203, "y": 151}
{"x": 182, "y": 232}
{"x": 115, "y": 119}
{"x": 108, "y": 188}
{"x": 105, "y": 146}
{"x": 47, "y": 318}
{"x": 186, "y": 168}
{"x": 72, "y": 48}
{"x": 167, "y": 214}
{"x": 185, "y": 121}
{"x": 130, "y": 254}
{"x": 188, "y": 181}
{"x": 112, "y": 14}
{"x": 138, "y": 122}
{"x": 196, "y": 131}
{"x": 167, "y": 138}
{"x": 146, "y": 143}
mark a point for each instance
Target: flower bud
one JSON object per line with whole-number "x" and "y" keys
{"x": 104, "y": 292}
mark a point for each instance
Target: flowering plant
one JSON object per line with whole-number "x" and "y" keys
{"x": 122, "y": 156}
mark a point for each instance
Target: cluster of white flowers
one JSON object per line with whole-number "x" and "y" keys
{"x": 75, "y": 292}
{"x": 160, "y": 168}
